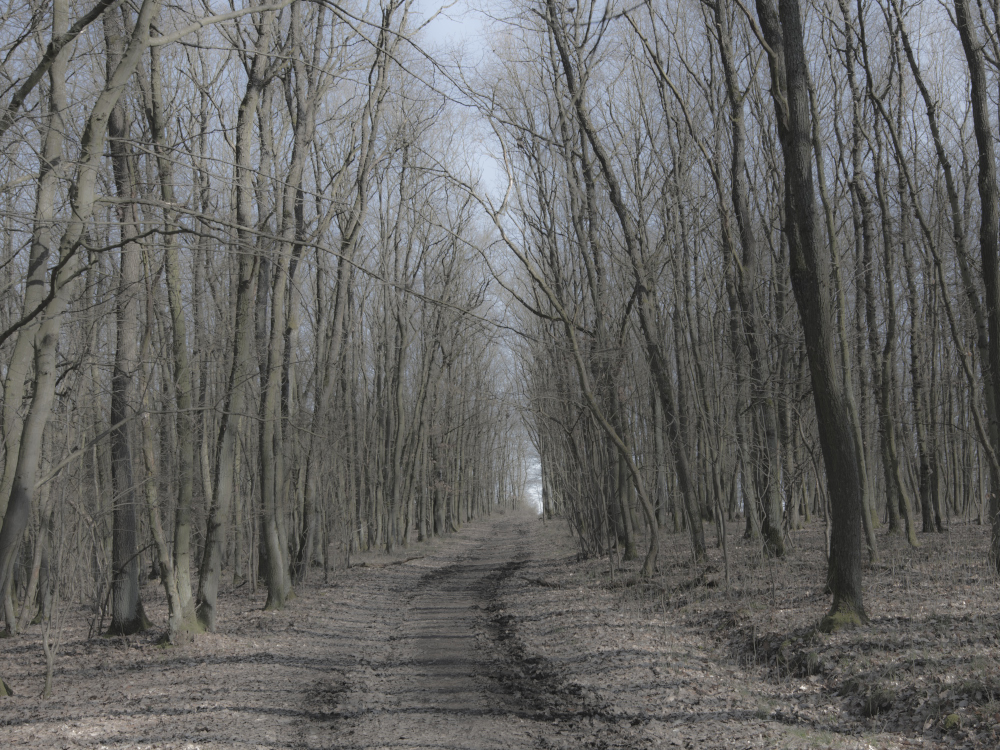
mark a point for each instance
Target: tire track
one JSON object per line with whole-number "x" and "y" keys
{"x": 451, "y": 673}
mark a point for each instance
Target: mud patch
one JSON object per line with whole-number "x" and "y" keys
{"x": 540, "y": 691}
{"x": 324, "y": 699}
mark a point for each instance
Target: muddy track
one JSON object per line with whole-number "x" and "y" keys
{"x": 537, "y": 690}
{"x": 452, "y": 672}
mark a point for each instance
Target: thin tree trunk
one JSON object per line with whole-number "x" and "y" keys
{"x": 34, "y": 294}
{"x": 753, "y": 327}
{"x": 181, "y": 360}
{"x": 247, "y": 278}
{"x": 175, "y": 606}
{"x": 647, "y": 309}
{"x": 127, "y": 615}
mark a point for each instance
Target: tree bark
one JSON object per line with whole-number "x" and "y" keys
{"x": 127, "y": 615}
{"x": 183, "y": 389}
{"x": 989, "y": 243}
{"x": 809, "y": 274}
{"x": 61, "y": 289}
{"x": 241, "y": 367}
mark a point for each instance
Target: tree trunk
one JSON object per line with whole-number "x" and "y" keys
{"x": 989, "y": 242}
{"x": 127, "y": 615}
{"x": 241, "y": 367}
{"x": 809, "y": 274}
{"x": 766, "y": 464}
{"x": 181, "y": 361}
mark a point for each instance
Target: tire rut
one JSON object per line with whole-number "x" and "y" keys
{"x": 542, "y": 691}
{"x": 452, "y": 672}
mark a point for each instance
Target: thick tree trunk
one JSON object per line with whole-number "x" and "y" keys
{"x": 989, "y": 242}
{"x": 38, "y": 560}
{"x": 810, "y": 274}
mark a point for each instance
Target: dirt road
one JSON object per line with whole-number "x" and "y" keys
{"x": 394, "y": 653}
{"x": 496, "y": 637}
{"x": 448, "y": 674}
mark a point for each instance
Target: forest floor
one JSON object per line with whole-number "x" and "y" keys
{"x": 499, "y": 637}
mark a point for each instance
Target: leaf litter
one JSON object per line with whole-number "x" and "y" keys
{"x": 556, "y": 652}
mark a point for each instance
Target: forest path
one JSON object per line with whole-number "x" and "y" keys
{"x": 416, "y": 649}
{"x": 495, "y": 637}
{"x": 445, "y": 675}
